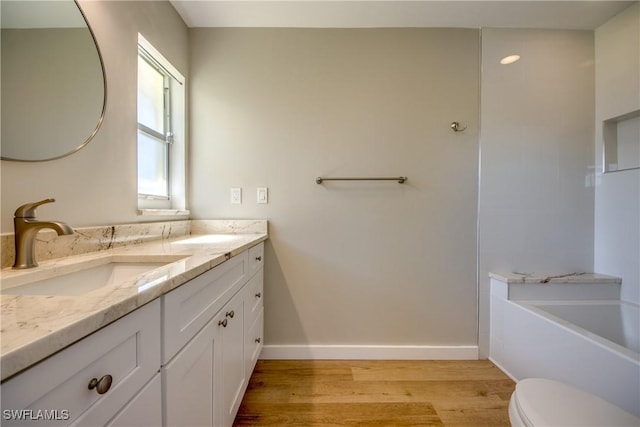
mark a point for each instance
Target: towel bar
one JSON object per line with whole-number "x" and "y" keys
{"x": 400, "y": 179}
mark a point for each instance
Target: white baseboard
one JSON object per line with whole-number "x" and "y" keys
{"x": 368, "y": 352}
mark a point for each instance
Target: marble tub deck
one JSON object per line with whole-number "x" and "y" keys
{"x": 34, "y": 327}
{"x": 555, "y": 286}
{"x": 576, "y": 277}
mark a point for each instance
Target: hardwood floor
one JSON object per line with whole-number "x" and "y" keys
{"x": 376, "y": 393}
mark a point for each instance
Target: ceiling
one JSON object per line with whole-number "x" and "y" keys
{"x": 397, "y": 13}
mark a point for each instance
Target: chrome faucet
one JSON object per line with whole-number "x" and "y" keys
{"x": 26, "y": 226}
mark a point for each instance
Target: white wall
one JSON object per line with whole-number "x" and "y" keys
{"x": 617, "y": 198}
{"x": 536, "y": 196}
{"x": 97, "y": 185}
{"x": 346, "y": 263}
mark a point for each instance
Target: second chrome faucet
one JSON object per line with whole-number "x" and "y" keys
{"x": 26, "y": 227}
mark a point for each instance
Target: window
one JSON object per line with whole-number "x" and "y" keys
{"x": 161, "y": 132}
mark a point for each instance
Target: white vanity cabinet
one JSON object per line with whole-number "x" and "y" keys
{"x": 59, "y": 391}
{"x": 206, "y": 326}
{"x": 181, "y": 360}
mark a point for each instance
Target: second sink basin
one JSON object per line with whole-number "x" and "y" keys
{"x": 83, "y": 277}
{"x": 209, "y": 239}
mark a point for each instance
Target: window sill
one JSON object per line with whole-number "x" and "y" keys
{"x": 163, "y": 212}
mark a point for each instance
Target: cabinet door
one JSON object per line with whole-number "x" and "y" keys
{"x": 189, "y": 381}
{"x": 232, "y": 358}
{"x": 145, "y": 409}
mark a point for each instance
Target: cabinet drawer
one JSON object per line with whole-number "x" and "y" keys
{"x": 188, "y": 308}
{"x": 254, "y": 294}
{"x": 256, "y": 258}
{"x": 58, "y": 387}
{"x": 254, "y": 339}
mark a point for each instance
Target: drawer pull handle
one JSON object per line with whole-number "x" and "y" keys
{"x": 258, "y": 295}
{"x": 222, "y": 323}
{"x": 258, "y": 258}
{"x": 101, "y": 385}
{"x": 230, "y": 314}
{"x": 258, "y": 340}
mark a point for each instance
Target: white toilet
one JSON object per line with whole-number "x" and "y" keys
{"x": 542, "y": 402}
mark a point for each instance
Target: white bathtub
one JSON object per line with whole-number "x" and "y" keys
{"x": 607, "y": 322}
{"x": 591, "y": 344}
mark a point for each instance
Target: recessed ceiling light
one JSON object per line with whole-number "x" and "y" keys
{"x": 509, "y": 59}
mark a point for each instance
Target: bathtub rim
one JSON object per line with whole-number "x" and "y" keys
{"x": 530, "y": 305}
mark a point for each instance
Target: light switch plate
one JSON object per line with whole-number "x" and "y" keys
{"x": 263, "y": 195}
{"x": 236, "y": 195}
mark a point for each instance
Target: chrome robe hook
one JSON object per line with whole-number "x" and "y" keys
{"x": 455, "y": 126}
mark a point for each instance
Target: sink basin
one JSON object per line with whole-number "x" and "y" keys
{"x": 216, "y": 242}
{"x": 209, "y": 239}
{"x": 83, "y": 277}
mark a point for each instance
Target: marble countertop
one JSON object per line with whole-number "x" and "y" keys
{"x": 34, "y": 327}
{"x": 575, "y": 277}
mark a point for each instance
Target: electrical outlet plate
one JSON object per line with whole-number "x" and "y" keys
{"x": 263, "y": 195}
{"x": 236, "y": 195}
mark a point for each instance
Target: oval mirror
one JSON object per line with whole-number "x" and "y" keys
{"x": 53, "y": 81}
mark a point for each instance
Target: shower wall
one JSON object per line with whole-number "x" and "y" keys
{"x": 617, "y": 203}
{"x": 537, "y": 145}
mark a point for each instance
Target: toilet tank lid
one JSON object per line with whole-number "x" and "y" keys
{"x": 544, "y": 402}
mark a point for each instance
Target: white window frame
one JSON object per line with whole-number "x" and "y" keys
{"x": 176, "y": 203}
